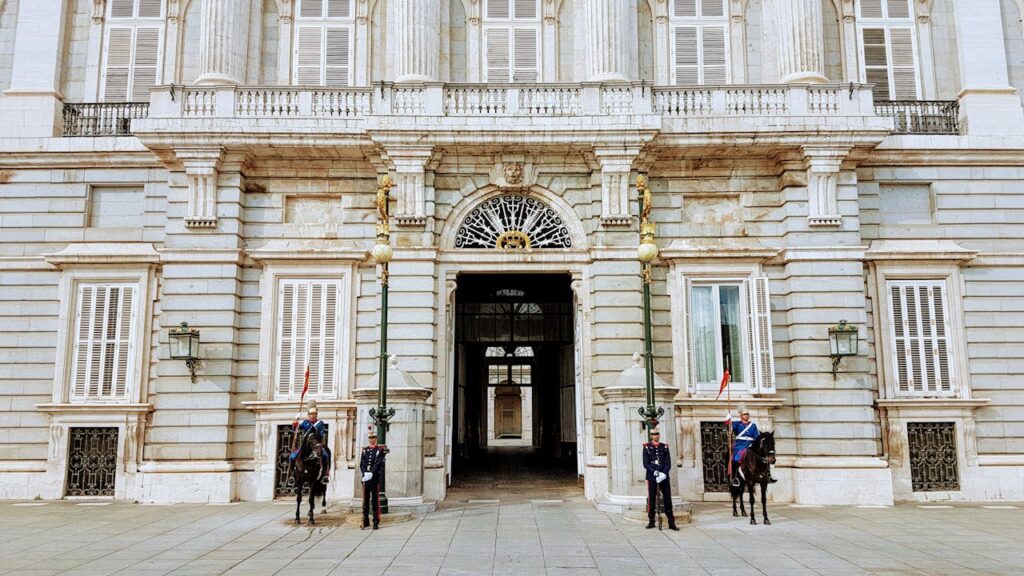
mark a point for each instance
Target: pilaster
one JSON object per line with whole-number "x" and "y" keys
{"x": 33, "y": 103}
{"x": 415, "y": 198}
{"x": 801, "y": 41}
{"x": 284, "y": 43}
{"x": 419, "y": 41}
{"x": 609, "y": 39}
{"x": 823, "y": 165}
{"x": 616, "y": 165}
{"x": 988, "y": 104}
{"x": 201, "y": 167}
{"x": 224, "y": 42}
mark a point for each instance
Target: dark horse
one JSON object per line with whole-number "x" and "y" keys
{"x": 308, "y": 469}
{"x": 755, "y": 464}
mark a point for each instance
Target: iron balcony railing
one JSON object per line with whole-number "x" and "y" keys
{"x": 102, "y": 119}
{"x": 921, "y": 116}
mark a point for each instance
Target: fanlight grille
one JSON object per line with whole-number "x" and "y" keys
{"x": 513, "y": 222}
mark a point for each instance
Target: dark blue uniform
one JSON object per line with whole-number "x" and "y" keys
{"x": 657, "y": 459}
{"x": 371, "y": 460}
{"x": 321, "y": 431}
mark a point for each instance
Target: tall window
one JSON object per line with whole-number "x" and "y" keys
{"x": 700, "y": 52}
{"x": 132, "y": 50}
{"x": 888, "y": 47}
{"x": 323, "y": 45}
{"x": 512, "y": 40}
{"x": 307, "y": 337}
{"x": 103, "y": 342}
{"x": 920, "y": 338}
{"x": 729, "y": 328}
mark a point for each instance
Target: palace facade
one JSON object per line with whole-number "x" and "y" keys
{"x": 216, "y": 162}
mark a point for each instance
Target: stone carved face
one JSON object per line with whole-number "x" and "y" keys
{"x": 514, "y": 173}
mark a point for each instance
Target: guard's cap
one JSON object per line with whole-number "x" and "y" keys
{"x": 371, "y": 433}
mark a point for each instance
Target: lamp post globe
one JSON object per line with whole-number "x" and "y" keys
{"x": 647, "y": 252}
{"x": 382, "y": 253}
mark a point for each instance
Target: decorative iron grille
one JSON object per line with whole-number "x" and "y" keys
{"x": 921, "y": 116}
{"x": 513, "y": 222}
{"x": 714, "y": 453}
{"x": 92, "y": 461}
{"x": 933, "y": 460}
{"x": 102, "y": 119}
{"x": 284, "y": 485}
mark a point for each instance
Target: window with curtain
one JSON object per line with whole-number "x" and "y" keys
{"x": 919, "y": 332}
{"x": 102, "y": 342}
{"x": 323, "y": 42}
{"x": 307, "y": 337}
{"x": 888, "y": 48}
{"x": 700, "y": 47}
{"x": 132, "y": 50}
{"x": 511, "y": 40}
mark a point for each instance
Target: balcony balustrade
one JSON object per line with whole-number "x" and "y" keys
{"x": 921, "y": 116}
{"x": 102, "y": 119}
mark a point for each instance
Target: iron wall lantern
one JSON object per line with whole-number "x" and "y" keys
{"x": 184, "y": 343}
{"x": 842, "y": 341}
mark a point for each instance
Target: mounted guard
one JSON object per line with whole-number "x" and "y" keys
{"x": 745, "y": 433}
{"x": 312, "y": 422}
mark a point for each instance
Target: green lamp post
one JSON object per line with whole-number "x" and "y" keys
{"x": 646, "y": 253}
{"x": 382, "y": 254}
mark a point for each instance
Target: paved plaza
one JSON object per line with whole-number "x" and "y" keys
{"x": 516, "y": 535}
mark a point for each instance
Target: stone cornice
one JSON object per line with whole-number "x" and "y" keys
{"x": 104, "y": 254}
{"x": 932, "y": 405}
{"x": 288, "y": 406}
{"x": 706, "y": 402}
{"x": 922, "y": 250}
{"x": 277, "y": 251}
{"x": 732, "y": 249}
{"x": 95, "y": 409}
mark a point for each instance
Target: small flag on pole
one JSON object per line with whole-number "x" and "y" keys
{"x": 725, "y": 382}
{"x": 305, "y": 388}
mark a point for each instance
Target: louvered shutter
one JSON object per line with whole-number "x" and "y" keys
{"x": 904, "y": 70}
{"x": 921, "y": 363}
{"x": 308, "y": 55}
{"x": 871, "y": 9}
{"x": 307, "y": 337}
{"x": 498, "y": 9}
{"x": 339, "y": 8}
{"x": 691, "y": 365}
{"x": 759, "y": 336}
{"x": 525, "y": 69}
{"x": 336, "y": 57}
{"x": 684, "y": 8}
{"x": 117, "y": 70}
{"x": 687, "y": 56}
{"x": 712, "y": 8}
{"x": 122, "y": 8}
{"x": 311, "y": 8}
{"x": 876, "y": 62}
{"x": 713, "y": 52}
{"x": 145, "y": 62}
{"x": 101, "y": 353}
{"x": 498, "y": 55}
{"x": 898, "y": 8}
{"x": 150, "y": 8}
{"x": 526, "y": 9}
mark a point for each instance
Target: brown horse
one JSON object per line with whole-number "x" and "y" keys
{"x": 755, "y": 465}
{"x": 308, "y": 469}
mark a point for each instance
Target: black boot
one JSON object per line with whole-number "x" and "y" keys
{"x": 650, "y": 524}
{"x": 772, "y": 480}
{"x": 672, "y": 526}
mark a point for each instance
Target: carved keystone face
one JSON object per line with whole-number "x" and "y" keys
{"x": 514, "y": 173}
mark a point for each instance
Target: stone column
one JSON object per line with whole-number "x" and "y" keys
{"x": 32, "y": 106}
{"x": 419, "y": 41}
{"x": 988, "y": 104}
{"x": 801, "y": 41}
{"x": 608, "y": 39}
{"x": 224, "y": 42}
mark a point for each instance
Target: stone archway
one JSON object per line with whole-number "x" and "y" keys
{"x": 496, "y": 218}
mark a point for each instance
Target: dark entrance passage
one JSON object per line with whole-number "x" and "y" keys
{"x": 514, "y": 428}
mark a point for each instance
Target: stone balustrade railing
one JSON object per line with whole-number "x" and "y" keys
{"x": 497, "y": 100}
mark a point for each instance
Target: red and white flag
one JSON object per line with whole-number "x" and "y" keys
{"x": 305, "y": 388}
{"x": 725, "y": 382}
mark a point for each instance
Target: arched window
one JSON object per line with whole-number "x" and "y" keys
{"x": 511, "y": 40}
{"x": 700, "y": 46}
{"x": 323, "y": 42}
{"x": 513, "y": 222}
{"x": 888, "y": 48}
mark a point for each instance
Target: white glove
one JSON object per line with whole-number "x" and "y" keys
{"x": 367, "y": 476}
{"x": 660, "y": 477}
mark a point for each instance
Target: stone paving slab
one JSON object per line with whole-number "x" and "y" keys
{"x": 517, "y": 537}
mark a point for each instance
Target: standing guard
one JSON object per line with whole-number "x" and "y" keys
{"x": 658, "y": 463}
{"x": 370, "y": 464}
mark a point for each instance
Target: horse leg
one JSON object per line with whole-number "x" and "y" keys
{"x": 764, "y": 502}
{"x": 312, "y": 501}
{"x": 753, "y": 505}
{"x": 298, "y": 499}
{"x": 740, "y": 495}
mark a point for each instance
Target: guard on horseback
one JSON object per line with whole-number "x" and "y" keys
{"x": 745, "y": 433}
{"x": 313, "y": 423}
{"x": 371, "y": 463}
{"x": 658, "y": 463}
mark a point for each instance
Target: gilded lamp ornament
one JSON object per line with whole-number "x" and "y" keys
{"x": 382, "y": 251}
{"x": 647, "y": 251}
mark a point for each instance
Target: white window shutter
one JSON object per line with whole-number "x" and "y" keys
{"x": 713, "y": 51}
{"x": 145, "y": 62}
{"x": 876, "y": 61}
{"x": 80, "y": 353}
{"x": 898, "y": 8}
{"x": 691, "y": 367}
{"x": 687, "y": 57}
{"x": 308, "y": 56}
{"x": 336, "y": 56}
{"x": 684, "y": 8}
{"x": 117, "y": 69}
{"x": 871, "y": 9}
{"x": 122, "y": 8}
{"x": 712, "y": 8}
{"x": 339, "y": 8}
{"x": 904, "y": 69}
{"x": 921, "y": 363}
{"x": 330, "y": 338}
{"x": 124, "y": 343}
{"x": 759, "y": 336}
{"x": 311, "y": 8}
{"x": 284, "y": 355}
{"x": 525, "y": 40}
{"x": 307, "y": 337}
{"x": 103, "y": 343}
{"x": 150, "y": 8}
{"x": 499, "y": 9}
{"x": 498, "y": 55}
{"x": 526, "y": 9}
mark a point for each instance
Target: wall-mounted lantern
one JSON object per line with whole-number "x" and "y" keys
{"x": 842, "y": 341}
{"x": 184, "y": 342}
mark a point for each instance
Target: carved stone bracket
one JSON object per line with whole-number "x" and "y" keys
{"x": 99, "y": 9}
{"x": 616, "y": 165}
{"x": 823, "y": 166}
{"x": 201, "y": 167}
{"x": 410, "y": 166}
{"x": 514, "y": 174}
